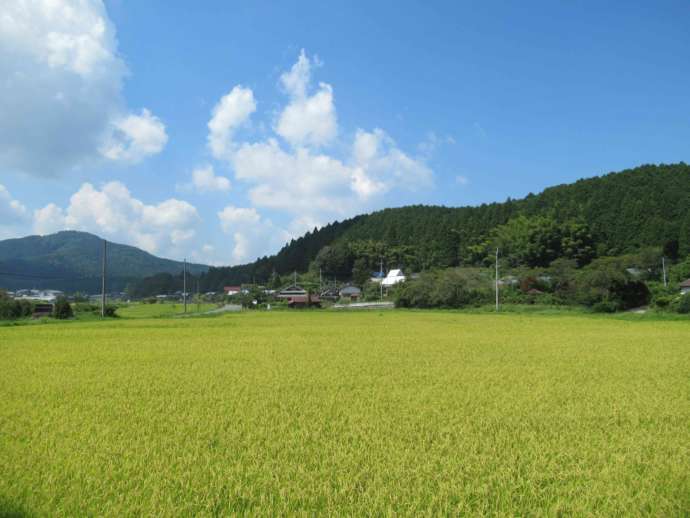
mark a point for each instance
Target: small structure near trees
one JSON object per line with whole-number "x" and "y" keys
{"x": 353, "y": 293}
{"x": 393, "y": 278}
{"x": 304, "y": 301}
{"x": 291, "y": 291}
{"x": 685, "y": 287}
{"x": 331, "y": 293}
{"x": 42, "y": 310}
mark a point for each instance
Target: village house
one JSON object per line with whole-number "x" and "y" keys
{"x": 304, "y": 301}
{"x": 330, "y": 293}
{"x": 291, "y": 291}
{"x": 49, "y": 296}
{"x": 393, "y": 278}
{"x": 232, "y": 290}
{"x": 685, "y": 287}
{"x": 353, "y": 293}
{"x": 377, "y": 277}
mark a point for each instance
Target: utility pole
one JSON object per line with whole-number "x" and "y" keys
{"x": 497, "y": 279}
{"x": 381, "y": 279}
{"x": 294, "y": 277}
{"x": 198, "y": 297}
{"x": 663, "y": 267}
{"x": 320, "y": 282}
{"x": 184, "y": 285}
{"x": 103, "y": 264}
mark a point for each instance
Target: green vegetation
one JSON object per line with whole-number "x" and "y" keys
{"x": 11, "y": 309}
{"x": 71, "y": 261}
{"x": 611, "y": 215}
{"x": 401, "y": 412}
{"x": 62, "y": 310}
{"x": 143, "y": 310}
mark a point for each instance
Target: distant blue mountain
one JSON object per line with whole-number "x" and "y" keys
{"x": 71, "y": 261}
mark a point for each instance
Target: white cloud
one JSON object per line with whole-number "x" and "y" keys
{"x": 462, "y": 180}
{"x": 61, "y": 83}
{"x": 382, "y": 166}
{"x": 432, "y": 142}
{"x": 112, "y": 212}
{"x": 296, "y": 80}
{"x": 303, "y": 180}
{"x": 49, "y": 219}
{"x": 13, "y": 215}
{"x": 310, "y": 121}
{"x": 306, "y": 120}
{"x": 252, "y": 235}
{"x": 204, "y": 179}
{"x": 207, "y": 254}
{"x": 11, "y": 210}
{"x": 135, "y": 137}
{"x": 230, "y": 113}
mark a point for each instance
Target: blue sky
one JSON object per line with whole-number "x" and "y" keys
{"x": 217, "y": 130}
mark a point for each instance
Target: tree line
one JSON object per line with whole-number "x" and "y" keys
{"x": 614, "y": 215}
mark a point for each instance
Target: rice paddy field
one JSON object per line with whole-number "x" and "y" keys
{"x": 303, "y": 413}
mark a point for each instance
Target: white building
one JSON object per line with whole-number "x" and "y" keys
{"x": 39, "y": 295}
{"x": 393, "y": 278}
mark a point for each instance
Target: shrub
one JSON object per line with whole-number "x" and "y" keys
{"x": 605, "y": 306}
{"x": 15, "y": 309}
{"x": 630, "y": 294}
{"x": 442, "y": 289}
{"x": 684, "y": 305}
{"x": 62, "y": 309}
{"x": 95, "y": 309}
{"x": 663, "y": 301}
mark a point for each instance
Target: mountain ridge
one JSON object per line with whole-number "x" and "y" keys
{"x": 646, "y": 206}
{"x": 71, "y": 260}
{"x": 627, "y": 210}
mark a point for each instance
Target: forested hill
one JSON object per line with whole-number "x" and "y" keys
{"x": 607, "y": 215}
{"x": 71, "y": 261}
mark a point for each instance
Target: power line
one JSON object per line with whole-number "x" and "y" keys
{"x": 184, "y": 285}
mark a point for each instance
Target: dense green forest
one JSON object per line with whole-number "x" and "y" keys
{"x": 625, "y": 214}
{"x": 611, "y": 215}
{"x": 71, "y": 261}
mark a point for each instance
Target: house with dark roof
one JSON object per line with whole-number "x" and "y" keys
{"x": 331, "y": 293}
{"x": 291, "y": 291}
{"x": 350, "y": 292}
{"x": 304, "y": 301}
{"x": 685, "y": 287}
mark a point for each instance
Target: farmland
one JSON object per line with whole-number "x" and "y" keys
{"x": 346, "y": 413}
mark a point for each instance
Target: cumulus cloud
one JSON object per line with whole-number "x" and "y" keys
{"x": 252, "y": 235}
{"x": 61, "y": 88}
{"x": 296, "y": 80}
{"x": 135, "y": 137}
{"x": 291, "y": 172}
{"x": 114, "y": 213}
{"x": 13, "y": 214}
{"x": 306, "y": 120}
{"x": 230, "y": 113}
{"x": 204, "y": 179}
{"x": 11, "y": 210}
